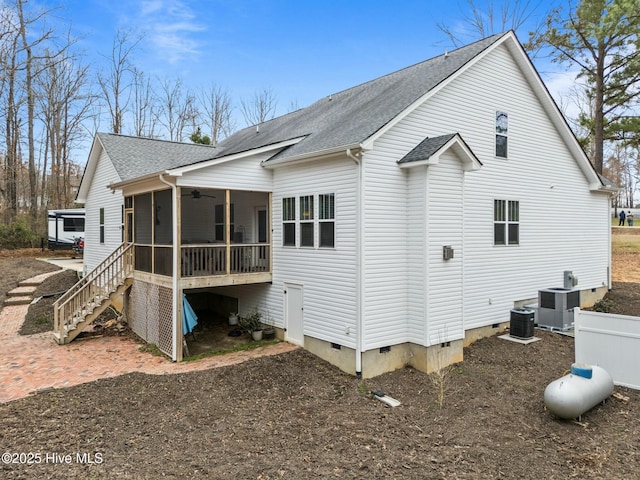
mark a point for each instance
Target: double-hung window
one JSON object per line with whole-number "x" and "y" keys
{"x": 306, "y": 221}
{"x": 289, "y": 222}
{"x": 326, "y": 216}
{"x": 506, "y": 222}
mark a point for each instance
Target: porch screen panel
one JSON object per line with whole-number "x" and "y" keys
{"x": 163, "y": 261}
{"x": 143, "y": 219}
{"x": 143, "y": 258}
{"x": 163, "y": 217}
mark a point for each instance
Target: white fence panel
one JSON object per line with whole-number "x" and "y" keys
{"x": 611, "y": 342}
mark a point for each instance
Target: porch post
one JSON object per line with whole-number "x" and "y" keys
{"x": 270, "y": 230}
{"x": 227, "y": 227}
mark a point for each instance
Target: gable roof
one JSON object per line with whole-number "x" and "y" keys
{"x": 347, "y": 118}
{"x": 135, "y": 157}
{"x": 429, "y": 150}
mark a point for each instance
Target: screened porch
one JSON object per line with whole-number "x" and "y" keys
{"x": 223, "y": 235}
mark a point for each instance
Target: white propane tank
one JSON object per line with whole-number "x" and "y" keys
{"x": 575, "y": 393}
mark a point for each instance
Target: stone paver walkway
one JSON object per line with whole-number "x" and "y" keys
{"x": 33, "y": 363}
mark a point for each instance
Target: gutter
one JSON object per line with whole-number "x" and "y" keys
{"x": 175, "y": 309}
{"x": 359, "y": 262}
{"x": 316, "y": 155}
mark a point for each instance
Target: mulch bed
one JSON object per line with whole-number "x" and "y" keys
{"x": 295, "y": 416}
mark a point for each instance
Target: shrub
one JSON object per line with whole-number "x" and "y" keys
{"x": 17, "y": 235}
{"x": 604, "y": 306}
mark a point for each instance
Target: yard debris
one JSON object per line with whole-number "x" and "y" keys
{"x": 622, "y": 398}
{"x": 387, "y": 400}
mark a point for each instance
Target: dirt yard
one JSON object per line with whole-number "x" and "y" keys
{"x": 294, "y": 416}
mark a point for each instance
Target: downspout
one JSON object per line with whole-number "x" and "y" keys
{"x": 177, "y": 330}
{"x": 359, "y": 263}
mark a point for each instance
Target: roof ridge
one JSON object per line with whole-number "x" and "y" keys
{"x": 495, "y": 37}
{"x": 132, "y": 137}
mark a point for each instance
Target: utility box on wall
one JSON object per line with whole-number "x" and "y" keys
{"x": 555, "y": 307}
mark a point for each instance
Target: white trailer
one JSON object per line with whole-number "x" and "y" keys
{"x": 65, "y": 226}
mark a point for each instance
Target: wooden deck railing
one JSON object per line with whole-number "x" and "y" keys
{"x": 92, "y": 289}
{"x": 209, "y": 260}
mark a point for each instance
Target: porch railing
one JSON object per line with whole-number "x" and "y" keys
{"x": 208, "y": 260}
{"x": 92, "y": 289}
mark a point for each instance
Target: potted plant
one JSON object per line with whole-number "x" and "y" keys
{"x": 268, "y": 330}
{"x": 252, "y": 324}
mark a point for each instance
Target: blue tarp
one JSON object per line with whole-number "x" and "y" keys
{"x": 189, "y": 318}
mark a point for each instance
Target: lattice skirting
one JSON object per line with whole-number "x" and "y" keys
{"x": 150, "y": 315}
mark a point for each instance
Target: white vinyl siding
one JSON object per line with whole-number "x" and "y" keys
{"x": 240, "y": 174}
{"x": 100, "y": 197}
{"x": 541, "y": 174}
{"x": 327, "y": 275}
{"x": 385, "y": 260}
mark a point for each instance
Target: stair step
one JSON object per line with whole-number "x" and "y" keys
{"x": 18, "y": 301}
{"x": 23, "y": 291}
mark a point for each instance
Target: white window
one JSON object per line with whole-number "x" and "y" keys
{"x": 306, "y": 221}
{"x": 289, "y": 222}
{"x": 502, "y": 127}
{"x": 326, "y": 216}
{"x": 506, "y": 222}
{"x": 220, "y": 227}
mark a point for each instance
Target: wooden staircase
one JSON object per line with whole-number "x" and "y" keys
{"x": 93, "y": 294}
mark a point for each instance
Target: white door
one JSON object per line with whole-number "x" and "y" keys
{"x": 294, "y": 332}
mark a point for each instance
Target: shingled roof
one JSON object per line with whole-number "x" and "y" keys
{"x": 135, "y": 157}
{"x": 351, "y": 116}
{"x": 342, "y": 119}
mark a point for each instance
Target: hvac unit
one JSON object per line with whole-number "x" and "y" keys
{"x": 555, "y": 307}
{"x": 522, "y": 323}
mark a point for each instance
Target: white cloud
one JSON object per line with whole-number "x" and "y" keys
{"x": 170, "y": 26}
{"x": 564, "y": 89}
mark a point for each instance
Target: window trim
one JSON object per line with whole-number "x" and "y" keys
{"x": 307, "y": 217}
{"x": 506, "y": 213}
{"x": 502, "y": 133}
{"x": 101, "y": 225}
{"x": 326, "y": 219}
{"x": 289, "y": 218}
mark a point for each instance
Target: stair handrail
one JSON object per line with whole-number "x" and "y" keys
{"x": 104, "y": 279}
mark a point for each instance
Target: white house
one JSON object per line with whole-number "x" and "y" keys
{"x": 385, "y": 225}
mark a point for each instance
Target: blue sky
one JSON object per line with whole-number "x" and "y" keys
{"x": 301, "y": 50}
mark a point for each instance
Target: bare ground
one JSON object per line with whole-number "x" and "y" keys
{"x": 295, "y": 416}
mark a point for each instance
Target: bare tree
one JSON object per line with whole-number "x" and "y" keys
{"x": 260, "y": 108}
{"x": 65, "y": 105}
{"x": 178, "y": 109}
{"x": 490, "y": 18}
{"x": 216, "y": 104}
{"x": 116, "y": 83}
{"x": 11, "y": 107}
{"x": 145, "y": 114}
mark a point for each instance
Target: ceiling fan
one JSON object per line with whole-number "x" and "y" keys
{"x": 197, "y": 194}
